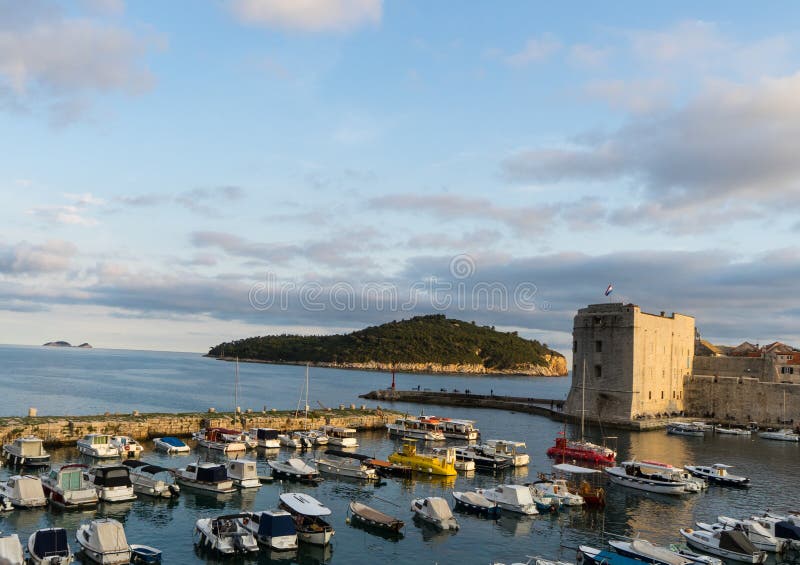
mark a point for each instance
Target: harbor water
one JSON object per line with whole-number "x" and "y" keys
{"x": 83, "y": 382}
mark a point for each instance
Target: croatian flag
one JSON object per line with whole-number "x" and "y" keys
{"x": 609, "y": 290}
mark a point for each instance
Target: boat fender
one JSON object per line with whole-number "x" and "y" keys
{"x": 127, "y": 447}
{"x": 246, "y": 521}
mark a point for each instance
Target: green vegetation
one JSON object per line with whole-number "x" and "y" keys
{"x": 423, "y": 339}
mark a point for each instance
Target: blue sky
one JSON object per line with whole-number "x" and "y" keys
{"x": 177, "y": 174}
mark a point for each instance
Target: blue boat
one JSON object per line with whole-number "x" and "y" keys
{"x": 476, "y": 503}
{"x": 590, "y": 556}
{"x": 145, "y": 554}
{"x": 170, "y": 445}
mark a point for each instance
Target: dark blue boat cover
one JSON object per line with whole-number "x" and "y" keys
{"x": 274, "y": 526}
{"x": 786, "y": 529}
{"x": 51, "y": 542}
{"x": 264, "y": 433}
{"x": 212, "y": 474}
{"x": 173, "y": 441}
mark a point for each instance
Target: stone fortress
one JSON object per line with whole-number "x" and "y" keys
{"x": 630, "y": 365}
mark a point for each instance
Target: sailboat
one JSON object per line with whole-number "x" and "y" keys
{"x": 303, "y": 438}
{"x": 785, "y": 434}
{"x": 567, "y": 449}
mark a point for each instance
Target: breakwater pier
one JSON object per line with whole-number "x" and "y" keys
{"x": 66, "y": 430}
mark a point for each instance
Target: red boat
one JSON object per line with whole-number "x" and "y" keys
{"x": 571, "y": 449}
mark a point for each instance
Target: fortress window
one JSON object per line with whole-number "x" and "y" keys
{"x": 598, "y": 346}
{"x": 598, "y": 371}
{"x": 649, "y": 395}
{"x": 575, "y": 346}
{"x": 662, "y": 395}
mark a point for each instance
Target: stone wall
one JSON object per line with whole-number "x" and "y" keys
{"x": 742, "y": 400}
{"x": 58, "y": 431}
{"x": 753, "y": 367}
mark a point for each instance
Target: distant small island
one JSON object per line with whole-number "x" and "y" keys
{"x": 65, "y": 344}
{"x": 423, "y": 344}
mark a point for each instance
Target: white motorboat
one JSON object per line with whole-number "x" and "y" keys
{"x": 98, "y": 446}
{"x": 732, "y": 431}
{"x": 235, "y": 436}
{"x": 145, "y": 554}
{"x": 296, "y": 440}
{"x": 434, "y": 510}
{"x": 11, "y": 550}
{"x": 700, "y": 559}
{"x": 152, "y": 480}
{"x": 219, "y": 439}
{"x": 784, "y": 527}
{"x": 345, "y": 467}
{"x": 343, "y": 437}
{"x": 294, "y": 469}
{"x": 225, "y": 535}
{"x": 476, "y": 502}
{"x": 416, "y": 429}
{"x": 49, "y": 546}
{"x": 23, "y": 491}
{"x": 316, "y": 437}
{"x": 755, "y": 532}
{"x": 480, "y": 461}
{"x": 26, "y": 452}
{"x": 455, "y": 428}
{"x": 112, "y": 482}
{"x": 513, "y": 450}
{"x": 374, "y": 519}
{"x": 266, "y": 437}
{"x": 693, "y": 484}
{"x": 103, "y": 541}
{"x": 717, "y": 473}
{"x": 170, "y": 445}
{"x": 728, "y": 544}
{"x": 643, "y": 550}
{"x": 650, "y": 478}
{"x": 781, "y": 435}
{"x": 210, "y": 477}
{"x": 127, "y": 446}
{"x": 308, "y": 513}
{"x": 68, "y": 487}
{"x": 558, "y": 489}
{"x": 272, "y": 528}
{"x": 465, "y": 459}
{"x": 685, "y": 429}
{"x": 244, "y": 474}
{"x": 514, "y": 498}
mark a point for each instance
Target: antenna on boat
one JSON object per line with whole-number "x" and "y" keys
{"x": 306, "y": 391}
{"x": 236, "y": 386}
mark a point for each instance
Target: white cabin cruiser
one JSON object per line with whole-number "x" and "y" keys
{"x": 728, "y": 544}
{"x": 685, "y": 429}
{"x": 416, "y": 429}
{"x": 513, "y": 450}
{"x": 273, "y": 528}
{"x": 11, "y": 550}
{"x": 781, "y": 435}
{"x": 732, "y": 431}
{"x": 23, "y": 491}
{"x": 475, "y": 502}
{"x": 210, "y": 477}
{"x": 218, "y": 439}
{"x": 103, "y": 541}
{"x": 170, "y": 445}
{"x": 558, "y": 489}
{"x": 784, "y": 527}
{"x": 316, "y": 437}
{"x": 434, "y": 510}
{"x": 127, "y": 446}
{"x": 455, "y": 428}
{"x": 345, "y": 467}
{"x": 26, "y": 452}
{"x": 266, "y": 437}
{"x": 643, "y": 550}
{"x": 112, "y": 482}
{"x": 718, "y": 473}
{"x": 295, "y": 440}
{"x": 480, "y": 460}
{"x": 98, "y": 446}
{"x": 225, "y": 535}
{"x": 755, "y": 532}
{"x": 67, "y": 487}
{"x": 515, "y": 498}
{"x": 152, "y": 480}
{"x": 343, "y": 437}
{"x": 308, "y": 512}
{"x": 294, "y": 469}
{"x": 49, "y": 546}
{"x": 651, "y": 478}
{"x": 243, "y": 473}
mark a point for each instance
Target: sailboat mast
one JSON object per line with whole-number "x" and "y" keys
{"x": 236, "y": 387}
{"x": 306, "y": 391}
{"x": 583, "y": 396}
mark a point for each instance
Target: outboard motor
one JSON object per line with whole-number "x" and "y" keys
{"x": 175, "y": 490}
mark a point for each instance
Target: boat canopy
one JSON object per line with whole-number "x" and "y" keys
{"x": 266, "y": 433}
{"x": 306, "y": 504}
{"x": 70, "y": 479}
{"x": 30, "y": 447}
{"x": 10, "y": 549}
{"x": 516, "y": 494}
{"x": 437, "y": 507}
{"x": 721, "y": 466}
{"x": 52, "y": 541}
{"x": 27, "y": 487}
{"x": 107, "y": 535}
{"x": 275, "y": 524}
{"x": 135, "y": 463}
{"x": 112, "y": 476}
{"x": 476, "y": 499}
{"x": 567, "y": 468}
{"x": 787, "y": 529}
{"x": 213, "y": 474}
{"x": 736, "y": 541}
{"x": 659, "y": 554}
{"x": 347, "y": 454}
{"x": 173, "y": 441}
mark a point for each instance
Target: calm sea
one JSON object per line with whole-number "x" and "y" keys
{"x": 71, "y": 381}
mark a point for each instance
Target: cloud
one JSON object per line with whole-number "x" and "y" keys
{"x": 28, "y": 259}
{"x": 206, "y": 201}
{"x": 522, "y": 219}
{"x": 140, "y": 200}
{"x": 469, "y": 241}
{"x": 535, "y": 50}
{"x": 587, "y": 56}
{"x": 61, "y": 61}
{"x": 308, "y": 15}
{"x": 75, "y": 214}
{"x": 732, "y": 146}
{"x": 633, "y": 95}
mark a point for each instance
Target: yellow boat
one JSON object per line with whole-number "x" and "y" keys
{"x": 431, "y": 464}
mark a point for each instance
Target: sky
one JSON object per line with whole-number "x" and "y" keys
{"x": 177, "y": 174}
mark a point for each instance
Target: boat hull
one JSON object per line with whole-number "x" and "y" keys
{"x": 648, "y": 485}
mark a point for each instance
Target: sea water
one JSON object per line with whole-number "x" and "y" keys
{"x": 71, "y": 381}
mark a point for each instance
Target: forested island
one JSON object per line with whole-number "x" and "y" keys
{"x": 65, "y": 344}
{"x": 421, "y": 344}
